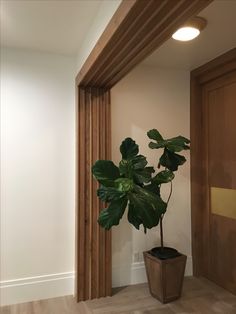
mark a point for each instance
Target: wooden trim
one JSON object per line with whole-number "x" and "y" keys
{"x": 215, "y": 66}
{"x": 210, "y": 71}
{"x": 93, "y": 242}
{"x": 137, "y": 28}
{"x": 106, "y": 36}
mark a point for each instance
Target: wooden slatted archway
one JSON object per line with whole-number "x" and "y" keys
{"x": 137, "y": 28}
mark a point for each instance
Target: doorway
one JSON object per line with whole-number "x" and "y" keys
{"x": 134, "y": 32}
{"x": 124, "y": 44}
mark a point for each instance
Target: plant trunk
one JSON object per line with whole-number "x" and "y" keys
{"x": 161, "y": 233}
{"x": 161, "y": 219}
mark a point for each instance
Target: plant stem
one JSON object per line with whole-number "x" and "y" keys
{"x": 161, "y": 219}
{"x": 161, "y": 233}
{"x": 171, "y": 186}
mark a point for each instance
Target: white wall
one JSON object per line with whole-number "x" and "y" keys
{"x": 38, "y": 174}
{"x": 104, "y": 14}
{"x": 38, "y": 168}
{"x": 149, "y": 98}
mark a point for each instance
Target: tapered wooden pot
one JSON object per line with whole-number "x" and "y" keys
{"x": 165, "y": 277}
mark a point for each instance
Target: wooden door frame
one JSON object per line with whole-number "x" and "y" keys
{"x": 137, "y": 28}
{"x": 210, "y": 71}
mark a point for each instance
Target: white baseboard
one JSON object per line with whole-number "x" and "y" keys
{"x": 138, "y": 273}
{"x": 189, "y": 266}
{"x": 56, "y": 285}
{"x": 135, "y": 273}
{"x": 124, "y": 275}
{"x": 36, "y": 288}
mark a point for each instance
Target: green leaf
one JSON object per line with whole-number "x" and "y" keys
{"x": 155, "y": 201}
{"x": 111, "y": 215}
{"x": 105, "y": 171}
{"x": 133, "y": 217}
{"x": 139, "y": 162}
{"x": 143, "y": 175}
{"x": 129, "y": 148}
{"x": 171, "y": 160}
{"x": 124, "y": 184}
{"x": 175, "y": 144}
{"x": 127, "y": 167}
{"x": 136, "y": 170}
{"x": 153, "y": 145}
{"x": 153, "y": 187}
{"x": 108, "y": 194}
{"x": 147, "y": 207}
{"x": 154, "y": 135}
{"x": 164, "y": 176}
{"x": 141, "y": 208}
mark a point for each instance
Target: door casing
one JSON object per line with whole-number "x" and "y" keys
{"x": 137, "y": 28}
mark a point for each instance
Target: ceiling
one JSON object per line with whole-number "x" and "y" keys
{"x": 218, "y": 37}
{"x": 58, "y": 26}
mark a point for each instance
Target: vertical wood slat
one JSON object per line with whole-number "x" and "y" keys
{"x": 94, "y": 243}
{"x": 95, "y": 156}
{"x": 102, "y": 131}
{"x": 87, "y": 194}
{"x": 80, "y": 217}
{"x": 108, "y": 256}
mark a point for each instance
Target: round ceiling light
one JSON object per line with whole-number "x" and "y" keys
{"x": 186, "y": 33}
{"x": 190, "y": 30}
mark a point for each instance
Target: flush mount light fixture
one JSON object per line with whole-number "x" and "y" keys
{"x": 191, "y": 29}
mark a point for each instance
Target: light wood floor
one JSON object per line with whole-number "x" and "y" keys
{"x": 199, "y": 297}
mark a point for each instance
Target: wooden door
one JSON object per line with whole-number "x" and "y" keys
{"x": 219, "y": 225}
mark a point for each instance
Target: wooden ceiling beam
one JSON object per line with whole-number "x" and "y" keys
{"x": 136, "y": 30}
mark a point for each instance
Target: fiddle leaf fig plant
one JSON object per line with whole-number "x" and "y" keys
{"x": 169, "y": 158}
{"x": 135, "y": 185}
{"x": 125, "y": 186}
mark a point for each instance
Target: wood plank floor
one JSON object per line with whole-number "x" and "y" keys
{"x": 199, "y": 297}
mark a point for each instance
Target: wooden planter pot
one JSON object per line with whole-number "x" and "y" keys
{"x": 165, "y": 277}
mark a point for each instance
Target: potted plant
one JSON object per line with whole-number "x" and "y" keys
{"x": 136, "y": 186}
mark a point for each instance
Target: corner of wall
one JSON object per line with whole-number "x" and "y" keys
{"x": 135, "y": 273}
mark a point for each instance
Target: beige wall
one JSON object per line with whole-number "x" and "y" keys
{"x": 149, "y": 98}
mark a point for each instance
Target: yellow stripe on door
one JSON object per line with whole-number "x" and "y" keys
{"x": 223, "y": 202}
